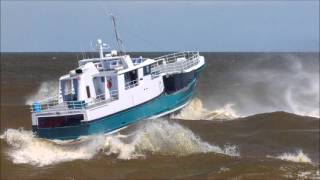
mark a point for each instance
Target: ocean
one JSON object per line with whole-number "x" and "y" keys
{"x": 253, "y": 116}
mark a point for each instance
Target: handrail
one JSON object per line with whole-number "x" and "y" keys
{"x": 175, "y": 63}
{"x": 174, "y": 56}
{"x": 55, "y": 105}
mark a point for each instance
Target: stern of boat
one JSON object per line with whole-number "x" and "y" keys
{"x": 51, "y": 119}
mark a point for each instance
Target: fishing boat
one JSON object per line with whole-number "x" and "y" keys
{"x": 105, "y": 94}
{"x": 113, "y": 91}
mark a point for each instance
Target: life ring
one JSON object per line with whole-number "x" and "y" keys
{"x": 109, "y": 84}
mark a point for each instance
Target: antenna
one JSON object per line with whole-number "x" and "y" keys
{"x": 119, "y": 41}
{"x": 82, "y": 53}
{"x": 92, "y": 49}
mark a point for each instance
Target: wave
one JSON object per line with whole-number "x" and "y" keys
{"x": 25, "y": 148}
{"x": 153, "y": 137}
{"x": 46, "y": 89}
{"x": 298, "y": 157}
{"x": 262, "y": 83}
{"x": 195, "y": 111}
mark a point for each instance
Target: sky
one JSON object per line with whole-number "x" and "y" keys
{"x": 216, "y": 26}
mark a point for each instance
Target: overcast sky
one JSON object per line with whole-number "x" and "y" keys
{"x": 161, "y": 25}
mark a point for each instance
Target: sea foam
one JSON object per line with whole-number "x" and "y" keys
{"x": 297, "y": 156}
{"x": 152, "y": 137}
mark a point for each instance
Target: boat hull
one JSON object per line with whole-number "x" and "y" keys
{"x": 166, "y": 102}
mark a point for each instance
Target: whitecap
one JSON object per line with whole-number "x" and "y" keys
{"x": 297, "y": 156}
{"x": 152, "y": 137}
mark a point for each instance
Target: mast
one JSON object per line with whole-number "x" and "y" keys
{"x": 119, "y": 41}
{"x": 100, "y": 47}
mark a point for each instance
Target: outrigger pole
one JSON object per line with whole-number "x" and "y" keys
{"x": 119, "y": 41}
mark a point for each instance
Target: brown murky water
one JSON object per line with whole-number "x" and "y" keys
{"x": 255, "y": 116}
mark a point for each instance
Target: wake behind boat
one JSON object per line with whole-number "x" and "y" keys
{"x": 113, "y": 91}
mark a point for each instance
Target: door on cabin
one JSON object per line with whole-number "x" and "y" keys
{"x": 99, "y": 87}
{"x": 112, "y": 86}
{"x": 69, "y": 89}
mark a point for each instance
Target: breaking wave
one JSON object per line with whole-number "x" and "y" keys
{"x": 25, "y": 148}
{"x": 298, "y": 157}
{"x": 153, "y": 137}
{"x": 195, "y": 111}
{"x": 46, "y": 89}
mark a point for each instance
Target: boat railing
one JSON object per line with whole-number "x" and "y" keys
{"x": 171, "y": 58}
{"x": 174, "y": 63}
{"x": 52, "y": 104}
{"x": 131, "y": 84}
{"x": 55, "y": 106}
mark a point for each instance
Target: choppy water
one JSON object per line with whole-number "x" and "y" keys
{"x": 231, "y": 129}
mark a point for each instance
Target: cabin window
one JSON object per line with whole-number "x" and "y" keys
{"x": 88, "y": 91}
{"x": 102, "y": 79}
{"x": 67, "y": 87}
{"x": 131, "y": 79}
{"x": 75, "y": 87}
{"x": 156, "y": 71}
{"x": 112, "y": 63}
{"x": 146, "y": 70}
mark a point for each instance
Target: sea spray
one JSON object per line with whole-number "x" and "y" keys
{"x": 261, "y": 83}
{"x": 195, "y": 111}
{"x": 46, "y": 89}
{"x": 151, "y": 137}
